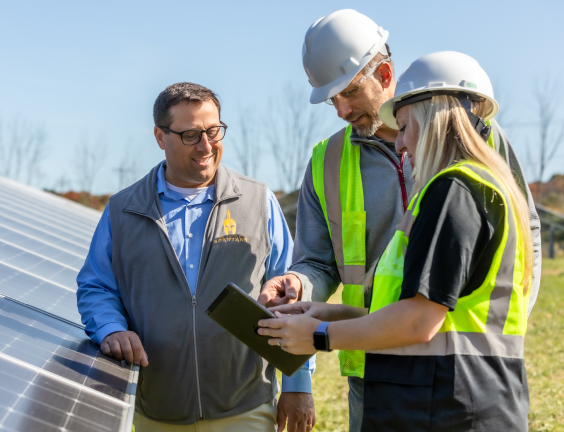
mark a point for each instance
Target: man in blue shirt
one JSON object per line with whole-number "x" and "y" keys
{"x": 159, "y": 245}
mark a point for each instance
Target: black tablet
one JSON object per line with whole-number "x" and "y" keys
{"x": 239, "y": 314}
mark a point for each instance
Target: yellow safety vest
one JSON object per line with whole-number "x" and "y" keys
{"x": 338, "y": 184}
{"x": 492, "y": 320}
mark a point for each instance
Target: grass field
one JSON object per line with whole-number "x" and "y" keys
{"x": 544, "y": 356}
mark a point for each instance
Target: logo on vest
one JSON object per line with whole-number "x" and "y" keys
{"x": 229, "y": 225}
{"x": 230, "y": 228}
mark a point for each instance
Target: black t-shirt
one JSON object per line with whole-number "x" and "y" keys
{"x": 452, "y": 241}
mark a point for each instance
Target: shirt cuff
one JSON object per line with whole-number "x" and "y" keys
{"x": 106, "y": 330}
{"x": 307, "y": 286}
{"x": 300, "y": 382}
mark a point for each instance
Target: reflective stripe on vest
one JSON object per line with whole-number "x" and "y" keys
{"x": 338, "y": 185}
{"x": 492, "y": 320}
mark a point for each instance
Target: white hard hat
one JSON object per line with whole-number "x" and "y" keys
{"x": 445, "y": 72}
{"x": 336, "y": 48}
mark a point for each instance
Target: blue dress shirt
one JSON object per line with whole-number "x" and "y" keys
{"x": 99, "y": 301}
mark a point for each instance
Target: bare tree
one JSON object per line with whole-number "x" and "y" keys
{"x": 88, "y": 160}
{"x": 22, "y": 150}
{"x": 128, "y": 169}
{"x": 248, "y": 143}
{"x": 547, "y": 98}
{"x": 505, "y": 101}
{"x": 293, "y": 127}
{"x": 62, "y": 184}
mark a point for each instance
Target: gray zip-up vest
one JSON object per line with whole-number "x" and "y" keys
{"x": 197, "y": 370}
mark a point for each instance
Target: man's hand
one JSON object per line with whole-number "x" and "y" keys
{"x": 298, "y": 409}
{"x": 281, "y": 290}
{"x": 125, "y": 345}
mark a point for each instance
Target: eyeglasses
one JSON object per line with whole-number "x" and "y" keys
{"x": 357, "y": 90}
{"x": 194, "y": 136}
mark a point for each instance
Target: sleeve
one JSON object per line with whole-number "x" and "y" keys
{"x": 277, "y": 263}
{"x": 98, "y": 298}
{"x": 313, "y": 260}
{"x": 506, "y": 150}
{"x": 281, "y": 243}
{"x": 445, "y": 243}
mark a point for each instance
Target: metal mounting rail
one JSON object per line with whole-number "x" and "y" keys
{"x": 57, "y": 317}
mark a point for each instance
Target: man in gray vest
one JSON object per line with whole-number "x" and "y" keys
{"x": 349, "y": 65}
{"x": 163, "y": 250}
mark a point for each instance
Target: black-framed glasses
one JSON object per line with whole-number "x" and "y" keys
{"x": 194, "y": 136}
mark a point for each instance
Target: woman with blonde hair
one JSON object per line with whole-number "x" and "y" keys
{"x": 444, "y": 334}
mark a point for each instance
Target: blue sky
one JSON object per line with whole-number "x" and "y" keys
{"x": 93, "y": 69}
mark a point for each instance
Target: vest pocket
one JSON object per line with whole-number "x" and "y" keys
{"x": 354, "y": 241}
{"x": 398, "y": 392}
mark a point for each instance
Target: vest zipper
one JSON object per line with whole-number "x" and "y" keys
{"x": 196, "y": 357}
{"x": 193, "y": 296}
{"x": 401, "y": 177}
{"x": 194, "y": 313}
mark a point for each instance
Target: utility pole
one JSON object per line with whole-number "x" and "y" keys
{"x": 123, "y": 174}
{"x": 551, "y": 242}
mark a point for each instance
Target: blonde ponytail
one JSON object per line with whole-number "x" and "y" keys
{"x": 447, "y": 137}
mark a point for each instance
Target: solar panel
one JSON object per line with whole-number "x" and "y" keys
{"x": 43, "y": 233}
{"x": 41, "y": 247}
{"x": 52, "y": 377}
{"x": 55, "y": 227}
{"x": 63, "y": 208}
{"x": 39, "y": 292}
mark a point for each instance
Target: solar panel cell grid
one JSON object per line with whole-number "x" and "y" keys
{"x": 30, "y": 401}
{"x": 71, "y": 219}
{"x": 41, "y": 248}
{"x": 36, "y": 265}
{"x": 38, "y": 232}
{"x": 67, "y": 210}
{"x": 55, "y": 228}
{"x": 39, "y": 293}
{"x": 60, "y": 348}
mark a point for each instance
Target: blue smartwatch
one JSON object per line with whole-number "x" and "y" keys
{"x": 321, "y": 338}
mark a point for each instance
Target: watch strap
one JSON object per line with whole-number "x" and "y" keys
{"x": 321, "y": 331}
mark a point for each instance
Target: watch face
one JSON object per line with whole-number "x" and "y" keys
{"x": 320, "y": 341}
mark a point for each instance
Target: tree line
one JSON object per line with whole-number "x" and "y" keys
{"x": 284, "y": 131}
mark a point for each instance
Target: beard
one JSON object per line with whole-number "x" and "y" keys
{"x": 371, "y": 115}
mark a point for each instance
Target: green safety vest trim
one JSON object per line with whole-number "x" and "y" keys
{"x": 492, "y": 320}
{"x": 342, "y": 200}
{"x": 491, "y": 141}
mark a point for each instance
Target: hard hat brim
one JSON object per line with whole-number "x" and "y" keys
{"x": 321, "y": 94}
{"x": 386, "y": 112}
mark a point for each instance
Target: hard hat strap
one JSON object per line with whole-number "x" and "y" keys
{"x": 465, "y": 100}
{"x": 477, "y": 122}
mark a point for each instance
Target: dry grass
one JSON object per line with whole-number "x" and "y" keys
{"x": 544, "y": 351}
{"x": 544, "y": 355}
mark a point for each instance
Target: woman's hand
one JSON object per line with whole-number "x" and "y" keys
{"x": 293, "y": 332}
{"x": 312, "y": 309}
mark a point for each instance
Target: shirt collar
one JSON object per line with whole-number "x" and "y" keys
{"x": 358, "y": 138}
{"x": 202, "y": 197}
